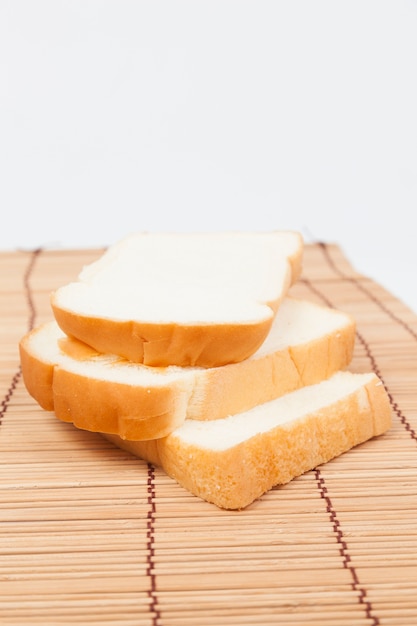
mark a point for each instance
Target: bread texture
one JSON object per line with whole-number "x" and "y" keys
{"x": 233, "y": 461}
{"x": 102, "y": 392}
{"x": 197, "y": 299}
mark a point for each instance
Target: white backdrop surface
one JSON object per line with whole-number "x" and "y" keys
{"x": 175, "y": 115}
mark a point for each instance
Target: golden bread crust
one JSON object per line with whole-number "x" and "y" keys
{"x": 139, "y": 409}
{"x": 208, "y": 344}
{"x": 233, "y": 478}
{"x": 162, "y": 345}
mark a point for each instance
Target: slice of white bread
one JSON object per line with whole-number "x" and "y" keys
{"x": 233, "y": 461}
{"x": 307, "y": 343}
{"x": 203, "y": 299}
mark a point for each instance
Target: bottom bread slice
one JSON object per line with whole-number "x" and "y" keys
{"x": 233, "y": 461}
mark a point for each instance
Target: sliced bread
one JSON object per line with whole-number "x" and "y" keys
{"x": 102, "y": 392}
{"x": 197, "y": 299}
{"x": 233, "y": 461}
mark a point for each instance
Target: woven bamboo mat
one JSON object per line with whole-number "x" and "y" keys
{"x": 90, "y": 535}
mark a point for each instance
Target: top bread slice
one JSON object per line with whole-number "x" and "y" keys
{"x": 101, "y": 392}
{"x": 196, "y": 299}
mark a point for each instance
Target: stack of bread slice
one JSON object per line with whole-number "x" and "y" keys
{"x": 188, "y": 351}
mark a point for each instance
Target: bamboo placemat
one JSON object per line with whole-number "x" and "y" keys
{"x": 91, "y": 535}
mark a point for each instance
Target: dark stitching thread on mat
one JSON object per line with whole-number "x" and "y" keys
{"x": 375, "y": 367}
{"x": 343, "y": 549}
{"x": 32, "y": 315}
{"x": 150, "y": 535}
{"x": 366, "y": 291}
{"x": 151, "y": 472}
{"x": 363, "y": 341}
{"x": 5, "y": 402}
{"x": 28, "y": 289}
{"x": 394, "y": 404}
{"x": 320, "y": 479}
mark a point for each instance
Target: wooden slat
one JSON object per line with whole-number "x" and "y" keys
{"x": 90, "y": 535}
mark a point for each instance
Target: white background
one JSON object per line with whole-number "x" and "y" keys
{"x": 121, "y": 115}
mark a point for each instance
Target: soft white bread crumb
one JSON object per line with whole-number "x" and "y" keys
{"x": 233, "y": 461}
{"x": 307, "y": 343}
{"x": 204, "y": 299}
